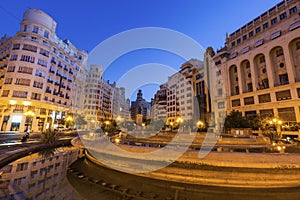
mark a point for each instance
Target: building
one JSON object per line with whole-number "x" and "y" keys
{"x": 260, "y": 66}
{"x": 120, "y": 107}
{"x": 159, "y": 104}
{"x": 140, "y": 106}
{"x": 38, "y": 75}
{"x": 98, "y": 98}
{"x": 181, "y": 91}
{"x": 37, "y": 177}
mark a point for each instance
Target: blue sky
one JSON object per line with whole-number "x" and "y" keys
{"x": 87, "y": 23}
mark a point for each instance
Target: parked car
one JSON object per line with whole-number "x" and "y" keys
{"x": 60, "y": 128}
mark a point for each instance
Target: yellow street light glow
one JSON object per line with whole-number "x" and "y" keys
{"x": 171, "y": 123}
{"x": 69, "y": 118}
{"x": 143, "y": 124}
{"x": 117, "y": 140}
{"x": 270, "y": 122}
{"x": 29, "y": 113}
{"x": 199, "y": 123}
{"x": 274, "y": 120}
{"x": 12, "y": 102}
{"x": 279, "y": 148}
{"x": 279, "y": 122}
{"x": 26, "y": 103}
{"x": 107, "y": 122}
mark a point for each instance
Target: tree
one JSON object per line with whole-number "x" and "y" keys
{"x": 236, "y": 120}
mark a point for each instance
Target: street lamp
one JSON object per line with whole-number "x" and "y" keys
{"x": 69, "y": 119}
{"x": 277, "y": 124}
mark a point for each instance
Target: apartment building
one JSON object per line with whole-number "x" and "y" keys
{"x": 260, "y": 66}
{"x": 159, "y": 104}
{"x": 38, "y": 75}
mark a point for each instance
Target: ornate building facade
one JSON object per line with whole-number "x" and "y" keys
{"x": 38, "y": 75}
{"x": 260, "y": 66}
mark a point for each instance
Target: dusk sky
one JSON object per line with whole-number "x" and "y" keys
{"x": 87, "y": 23}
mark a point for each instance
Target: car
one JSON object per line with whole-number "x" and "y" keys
{"x": 60, "y": 128}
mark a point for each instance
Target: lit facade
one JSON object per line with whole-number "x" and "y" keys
{"x": 260, "y": 66}
{"x": 38, "y": 73}
{"x": 159, "y": 104}
{"x": 98, "y": 98}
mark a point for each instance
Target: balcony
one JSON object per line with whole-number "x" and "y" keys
{"x": 71, "y": 72}
{"x": 63, "y": 86}
{"x": 53, "y": 62}
{"x": 51, "y": 71}
{"x": 56, "y": 83}
{"x": 59, "y": 65}
{"x": 68, "y": 88}
{"x": 49, "y": 81}
{"x": 65, "y": 68}
{"x": 69, "y": 80}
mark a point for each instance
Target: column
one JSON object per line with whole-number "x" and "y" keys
{"x": 289, "y": 64}
{"x": 239, "y": 73}
{"x": 297, "y": 113}
{"x": 253, "y": 75}
{"x": 269, "y": 70}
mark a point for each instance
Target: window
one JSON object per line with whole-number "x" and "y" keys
{"x": 238, "y": 41}
{"x": 245, "y": 37}
{"x": 25, "y": 70}
{"x": 262, "y": 59}
{"x": 13, "y": 57}
{"x": 279, "y": 52}
{"x": 22, "y": 81}
{"x": 284, "y": 79}
{"x": 46, "y": 34}
{"x": 257, "y": 30}
{"x": 35, "y": 29}
{"x": 251, "y": 34}
{"x": 264, "y": 98}
{"x": 38, "y": 84}
{"x": 283, "y": 95}
{"x": 274, "y": 21}
{"x": 287, "y": 114}
{"x": 44, "y": 52}
{"x": 16, "y": 46}
{"x": 40, "y": 73}
{"x": 29, "y": 47}
{"x": 199, "y": 76}
{"x": 19, "y": 181}
{"x": 248, "y": 100}
{"x": 250, "y": 87}
{"x": 22, "y": 166}
{"x": 233, "y": 44}
{"x": 27, "y": 59}
{"x": 221, "y": 105}
{"x": 35, "y": 96}
{"x": 5, "y": 93}
{"x": 236, "y": 103}
{"x": 11, "y": 68}
{"x": 282, "y": 16}
{"x": 42, "y": 63}
{"x": 298, "y": 45}
{"x": 265, "y": 25}
{"x": 8, "y": 80}
{"x": 237, "y": 90}
{"x": 293, "y": 10}
{"x": 25, "y": 28}
{"x": 220, "y": 92}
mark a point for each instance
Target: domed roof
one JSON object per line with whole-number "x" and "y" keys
{"x": 38, "y": 16}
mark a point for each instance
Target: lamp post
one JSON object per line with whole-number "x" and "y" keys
{"x": 69, "y": 119}
{"x": 277, "y": 124}
{"x": 200, "y": 124}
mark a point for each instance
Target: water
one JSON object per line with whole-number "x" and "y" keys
{"x": 57, "y": 174}
{"x": 39, "y": 176}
